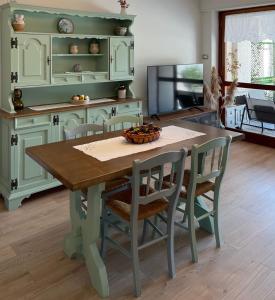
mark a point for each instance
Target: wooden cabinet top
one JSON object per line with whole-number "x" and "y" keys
{"x": 27, "y": 112}
{"x": 70, "y": 12}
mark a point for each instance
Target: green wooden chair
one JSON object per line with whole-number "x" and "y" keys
{"x": 82, "y": 130}
{"x": 86, "y": 130}
{"x": 139, "y": 202}
{"x": 122, "y": 122}
{"x": 208, "y": 164}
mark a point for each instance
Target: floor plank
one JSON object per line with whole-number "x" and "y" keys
{"x": 33, "y": 265}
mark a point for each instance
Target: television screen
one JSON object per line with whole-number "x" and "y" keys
{"x": 173, "y": 88}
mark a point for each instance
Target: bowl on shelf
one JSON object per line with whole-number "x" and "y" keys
{"x": 80, "y": 99}
{"x": 120, "y": 30}
{"x": 142, "y": 134}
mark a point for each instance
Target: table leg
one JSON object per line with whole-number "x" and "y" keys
{"x": 85, "y": 234}
{"x": 201, "y": 208}
{"x": 73, "y": 240}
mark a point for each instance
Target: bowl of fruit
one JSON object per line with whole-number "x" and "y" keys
{"x": 80, "y": 99}
{"x": 142, "y": 134}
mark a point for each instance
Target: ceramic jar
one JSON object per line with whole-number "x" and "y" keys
{"x": 120, "y": 30}
{"x": 18, "y": 23}
{"x": 94, "y": 47}
{"x": 77, "y": 68}
{"x": 17, "y": 100}
{"x": 122, "y": 92}
{"x": 73, "y": 49}
{"x": 123, "y": 11}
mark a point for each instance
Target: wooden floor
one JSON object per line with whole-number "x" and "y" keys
{"x": 33, "y": 265}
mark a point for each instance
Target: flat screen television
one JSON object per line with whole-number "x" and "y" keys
{"x": 174, "y": 87}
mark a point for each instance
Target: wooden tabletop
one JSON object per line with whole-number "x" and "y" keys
{"x": 77, "y": 170}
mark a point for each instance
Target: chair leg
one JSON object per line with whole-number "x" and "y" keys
{"x": 262, "y": 127}
{"x": 170, "y": 244}
{"x": 144, "y": 231}
{"x": 242, "y": 119}
{"x": 104, "y": 232}
{"x": 192, "y": 234}
{"x": 135, "y": 261}
{"x": 216, "y": 220}
{"x": 156, "y": 223}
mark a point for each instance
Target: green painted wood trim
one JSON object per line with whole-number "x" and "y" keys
{"x": 14, "y": 200}
{"x": 200, "y": 209}
{"x": 30, "y": 8}
{"x": 84, "y": 236}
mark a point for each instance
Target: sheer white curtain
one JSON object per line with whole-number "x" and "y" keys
{"x": 253, "y": 27}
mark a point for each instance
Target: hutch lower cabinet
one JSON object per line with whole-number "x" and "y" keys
{"x": 20, "y": 176}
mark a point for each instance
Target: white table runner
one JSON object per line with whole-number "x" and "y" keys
{"x": 118, "y": 147}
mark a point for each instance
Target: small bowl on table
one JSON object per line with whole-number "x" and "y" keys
{"x": 142, "y": 134}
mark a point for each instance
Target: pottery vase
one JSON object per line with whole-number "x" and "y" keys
{"x": 18, "y": 23}
{"x": 123, "y": 11}
{"x": 94, "y": 48}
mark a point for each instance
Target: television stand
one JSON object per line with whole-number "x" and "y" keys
{"x": 200, "y": 115}
{"x": 196, "y": 107}
{"x": 155, "y": 117}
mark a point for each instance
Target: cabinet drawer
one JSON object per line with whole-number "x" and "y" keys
{"x": 230, "y": 112}
{"x": 230, "y": 122}
{"x": 21, "y": 123}
{"x": 95, "y": 77}
{"x": 129, "y": 107}
{"x": 67, "y": 78}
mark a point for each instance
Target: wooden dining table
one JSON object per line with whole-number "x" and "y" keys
{"x": 78, "y": 171}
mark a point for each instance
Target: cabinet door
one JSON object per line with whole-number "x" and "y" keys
{"x": 31, "y": 59}
{"x": 28, "y": 173}
{"x": 132, "y": 108}
{"x": 67, "y": 120}
{"x": 98, "y": 115}
{"x": 121, "y": 58}
{"x": 6, "y": 155}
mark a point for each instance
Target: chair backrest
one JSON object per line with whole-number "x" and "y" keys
{"x": 208, "y": 161}
{"x": 143, "y": 181}
{"x": 242, "y": 100}
{"x": 122, "y": 122}
{"x": 265, "y": 113}
{"x": 82, "y": 130}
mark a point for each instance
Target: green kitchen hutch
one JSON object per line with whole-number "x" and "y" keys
{"x": 38, "y": 62}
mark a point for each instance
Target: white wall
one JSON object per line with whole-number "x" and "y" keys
{"x": 165, "y": 32}
{"x": 209, "y": 41}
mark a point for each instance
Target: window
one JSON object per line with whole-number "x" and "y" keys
{"x": 247, "y": 50}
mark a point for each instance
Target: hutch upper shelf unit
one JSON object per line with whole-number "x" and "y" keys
{"x": 40, "y": 55}
{"x": 38, "y": 63}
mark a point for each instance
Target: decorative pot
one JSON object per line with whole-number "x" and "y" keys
{"x": 122, "y": 92}
{"x": 121, "y": 30}
{"x": 73, "y": 49}
{"x": 77, "y": 68}
{"x": 17, "y": 100}
{"x": 18, "y": 23}
{"x": 94, "y": 47}
{"x": 123, "y": 11}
